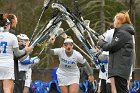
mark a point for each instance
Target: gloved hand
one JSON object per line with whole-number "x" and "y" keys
{"x": 100, "y": 42}
{"x": 94, "y": 50}
{"x": 98, "y": 53}
{"x": 34, "y": 60}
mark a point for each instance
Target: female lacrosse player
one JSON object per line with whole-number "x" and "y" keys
{"x": 104, "y": 84}
{"x": 68, "y": 74}
{"x": 25, "y": 65}
{"x": 8, "y": 45}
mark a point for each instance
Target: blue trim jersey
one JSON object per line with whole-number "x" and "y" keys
{"x": 108, "y": 38}
{"x": 24, "y": 67}
{"x": 68, "y": 65}
{"x": 8, "y": 41}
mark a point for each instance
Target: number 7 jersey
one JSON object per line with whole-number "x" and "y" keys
{"x": 8, "y": 41}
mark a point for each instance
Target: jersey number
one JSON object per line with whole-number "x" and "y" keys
{"x": 3, "y": 47}
{"x": 67, "y": 66}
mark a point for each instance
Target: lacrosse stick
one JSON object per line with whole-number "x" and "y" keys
{"x": 52, "y": 25}
{"x": 77, "y": 32}
{"x": 45, "y": 6}
{"x": 64, "y": 35}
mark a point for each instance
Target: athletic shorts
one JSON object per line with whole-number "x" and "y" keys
{"x": 65, "y": 81}
{"x": 6, "y": 73}
{"x": 28, "y": 78}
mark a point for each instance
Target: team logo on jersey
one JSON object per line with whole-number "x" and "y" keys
{"x": 116, "y": 39}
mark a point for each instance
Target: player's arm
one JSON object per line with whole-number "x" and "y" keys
{"x": 49, "y": 45}
{"x": 20, "y": 54}
{"x": 89, "y": 71}
{"x": 49, "y": 50}
{"x": 32, "y": 60}
{"x": 88, "y": 68}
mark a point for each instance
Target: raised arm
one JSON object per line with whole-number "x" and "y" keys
{"x": 22, "y": 54}
{"x": 49, "y": 45}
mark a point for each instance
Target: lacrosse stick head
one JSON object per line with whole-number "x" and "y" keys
{"x": 46, "y": 2}
{"x": 62, "y": 33}
{"x": 60, "y": 7}
{"x": 87, "y": 22}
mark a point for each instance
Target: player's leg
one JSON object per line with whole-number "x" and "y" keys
{"x": 121, "y": 85}
{"x": 27, "y": 81}
{"x": 26, "y": 89}
{"x": 108, "y": 86}
{"x": 103, "y": 86}
{"x": 64, "y": 89}
{"x": 113, "y": 87}
{"x": 8, "y": 86}
{"x": 74, "y": 88}
{"x": 7, "y": 76}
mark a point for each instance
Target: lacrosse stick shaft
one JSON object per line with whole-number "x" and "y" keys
{"x": 45, "y": 6}
{"x": 56, "y": 22}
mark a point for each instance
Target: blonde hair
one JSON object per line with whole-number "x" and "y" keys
{"x": 123, "y": 17}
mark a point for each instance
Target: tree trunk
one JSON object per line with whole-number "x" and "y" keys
{"x": 102, "y": 15}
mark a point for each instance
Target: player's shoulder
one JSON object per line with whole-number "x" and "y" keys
{"x": 110, "y": 31}
{"x": 76, "y": 52}
{"x": 10, "y": 34}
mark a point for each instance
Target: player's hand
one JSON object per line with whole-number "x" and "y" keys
{"x": 52, "y": 39}
{"x": 34, "y": 60}
{"x": 91, "y": 78}
{"x": 100, "y": 42}
{"x": 28, "y": 48}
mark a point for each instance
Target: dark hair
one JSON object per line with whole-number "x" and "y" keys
{"x": 11, "y": 18}
{"x": 3, "y": 20}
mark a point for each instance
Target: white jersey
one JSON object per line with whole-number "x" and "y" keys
{"x": 104, "y": 75}
{"x": 108, "y": 38}
{"x": 28, "y": 72}
{"x": 109, "y": 35}
{"x": 68, "y": 65}
{"x": 24, "y": 67}
{"x": 8, "y": 41}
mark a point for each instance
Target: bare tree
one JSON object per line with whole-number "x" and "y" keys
{"x": 102, "y": 30}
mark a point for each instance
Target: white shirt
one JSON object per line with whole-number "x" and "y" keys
{"x": 109, "y": 35}
{"x": 108, "y": 38}
{"x": 68, "y": 65}
{"x": 24, "y": 67}
{"x": 8, "y": 41}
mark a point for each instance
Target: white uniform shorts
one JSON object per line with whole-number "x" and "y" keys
{"x": 67, "y": 80}
{"x": 6, "y": 73}
{"x": 28, "y": 78}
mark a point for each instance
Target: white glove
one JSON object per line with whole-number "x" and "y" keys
{"x": 34, "y": 60}
{"x": 93, "y": 50}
